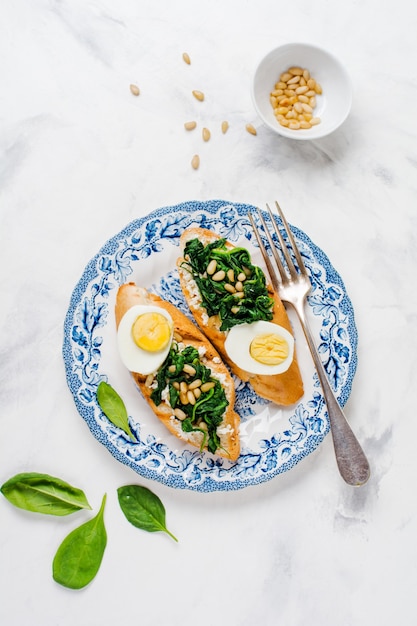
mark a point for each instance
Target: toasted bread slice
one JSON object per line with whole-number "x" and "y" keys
{"x": 283, "y": 389}
{"x": 228, "y": 431}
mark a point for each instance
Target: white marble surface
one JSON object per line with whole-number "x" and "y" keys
{"x": 80, "y": 157}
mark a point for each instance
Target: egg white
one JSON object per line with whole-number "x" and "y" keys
{"x": 238, "y": 343}
{"x": 134, "y": 358}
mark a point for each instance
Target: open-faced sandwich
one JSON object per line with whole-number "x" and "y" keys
{"x": 178, "y": 371}
{"x": 240, "y": 314}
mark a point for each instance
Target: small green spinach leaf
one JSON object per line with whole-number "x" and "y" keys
{"x": 79, "y": 556}
{"x": 113, "y": 407}
{"x": 42, "y": 493}
{"x": 143, "y": 509}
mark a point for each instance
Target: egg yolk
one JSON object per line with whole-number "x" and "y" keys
{"x": 151, "y": 332}
{"x": 269, "y": 349}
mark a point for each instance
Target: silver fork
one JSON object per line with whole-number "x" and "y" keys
{"x": 293, "y": 287}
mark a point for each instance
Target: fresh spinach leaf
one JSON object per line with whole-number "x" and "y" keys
{"x": 42, "y": 493}
{"x": 113, "y": 407}
{"x": 79, "y": 556}
{"x": 143, "y": 509}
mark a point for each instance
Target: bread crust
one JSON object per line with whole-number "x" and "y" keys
{"x": 283, "y": 389}
{"x": 130, "y": 295}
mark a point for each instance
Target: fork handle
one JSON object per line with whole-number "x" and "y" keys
{"x": 351, "y": 460}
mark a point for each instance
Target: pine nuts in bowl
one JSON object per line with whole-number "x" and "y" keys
{"x": 302, "y": 92}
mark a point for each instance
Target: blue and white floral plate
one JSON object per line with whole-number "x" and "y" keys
{"x": 273, "y": 439}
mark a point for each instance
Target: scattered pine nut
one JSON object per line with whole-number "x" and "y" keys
{"x": 251, "y": 129}
{"x": 190, "y": 125}
{"x": 225, "y": 127}
{"x": 186, "y": 58}
{"x": 206, "y": 134}
{"x": 195, "y": 162}
{"x": 293, "y": 99}
{"x": 135, "y": 90}
{"x": 198, "y": 95}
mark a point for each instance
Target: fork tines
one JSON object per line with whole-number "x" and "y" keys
{"x": 282, "y": 244}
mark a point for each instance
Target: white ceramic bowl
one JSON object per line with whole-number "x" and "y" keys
{"x": 333, "y": 105}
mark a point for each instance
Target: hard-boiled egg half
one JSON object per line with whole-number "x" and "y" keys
{"x": 144, "y": 338}
{"x": 261, "y": 347}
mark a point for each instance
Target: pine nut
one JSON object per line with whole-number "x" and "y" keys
{"x": 179, "y": 413}
{"x": 186, "y": 58}
{"x": 295, "y": 71}
{"x": 241, "y": 276}
{"x": 207, "y": 386}
{"x": 218, "y": 276}
{"x": 203, "y": 425}
{"x": 176, "y": 385}
{"x": 195, "y": 162}
{"x": 293, "y": 99}
{"x": 196, "y": 383}
{"x": 239, "y": 286}
{"x": 211, "y": 267}
{"x": 171, "y": 369}
{"x": 190, "y": 397}
{"x": 234, "y": 310}
{"x": 251, "y": 129}
{"x": 183, "y": 398}
{"x": 239, "y": 294}
{"x": 190, "y": 125}
{"x": 189, "y": 369}
{"x": 231, "y": 275}
{"x": 301, "y": 90}
{"x": 183, "y": 387}
{"x": 197, "y": 392}
{"x": 149, "y": 380}
{"x": 198, "y": 95}
{"x": 225, "y": 127}
{"x": 229, "y": 288}
{"x": 206, "y": 134}
{"x": 135, "y": 90}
